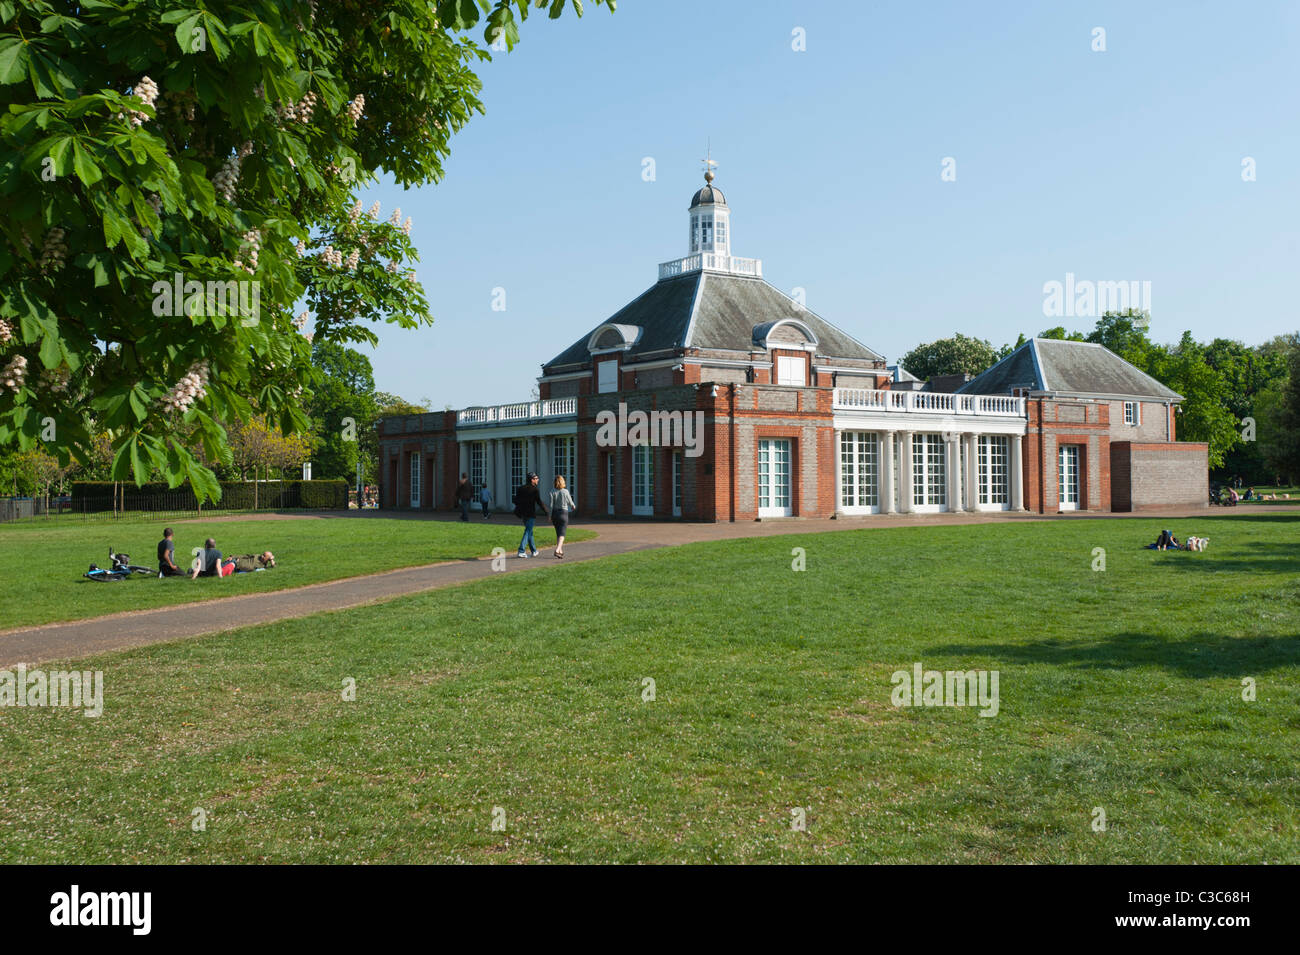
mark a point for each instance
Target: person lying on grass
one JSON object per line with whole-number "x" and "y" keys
{"x": 247, "y": 563}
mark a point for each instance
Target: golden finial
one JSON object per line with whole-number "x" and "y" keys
{"x": 709, "y": 163}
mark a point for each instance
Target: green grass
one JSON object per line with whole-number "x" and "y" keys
{"x": 43, "y": 565}
{"x": 1119, "y": 689}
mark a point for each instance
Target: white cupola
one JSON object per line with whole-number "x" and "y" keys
{"x": 710, "y": 220}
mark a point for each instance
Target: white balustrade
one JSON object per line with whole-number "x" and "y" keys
{"x": 519, "y": 411}
{"x": 711, "y": 262}
{"x": 925, "y": 402}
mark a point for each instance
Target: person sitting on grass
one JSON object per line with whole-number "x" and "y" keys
{"x": 1165, "y": 541}
{"x": 166, "y": 556}
{"x": 210, "y": 564}
{"x": 1250, "y": 494}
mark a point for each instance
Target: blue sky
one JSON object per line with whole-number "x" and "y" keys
{"x": 1116, "y": 165}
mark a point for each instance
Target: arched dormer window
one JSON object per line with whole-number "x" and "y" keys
{"x": 611, "y": 337}
{"x": 789, "y": 333}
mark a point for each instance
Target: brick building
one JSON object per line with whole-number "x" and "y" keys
{"x": 713, "y": 396}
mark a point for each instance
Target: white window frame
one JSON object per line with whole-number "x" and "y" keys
{"x": 611, "y": 483}
{"x": 859, "y": 465}
{"x": 606, "y": 376}
{"x": 792, "y": 370}
{"x": 1067, "y": 463}
{"x": 929, "y": 473}
{"x": 643, "y": 480}
{"x": 564, "y": 463}
{"x": 1133, "y": 413}
{"x": 518, "y": 452}
{"x": 772, "y": 454}
{"x": 415, "y": 479}
{"x": 478, "y": 465}
{"x": 994, "y": 471}
{"x": 677, "y": 484}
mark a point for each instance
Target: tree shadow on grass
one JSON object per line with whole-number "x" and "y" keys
{"x": 1198, "y": 656}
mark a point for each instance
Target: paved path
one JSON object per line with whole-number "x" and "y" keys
{"x": 139, "y": 628}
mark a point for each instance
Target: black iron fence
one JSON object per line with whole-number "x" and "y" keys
{"x": 104, "y": 500}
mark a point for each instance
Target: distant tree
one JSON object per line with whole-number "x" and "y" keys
{"x": 257, "y": 447}
{"x": 342, "y": 408}
{"x": 1060, "y": 334}
{"x": 950, "y": 356}
{"x": 1203, "y": 415}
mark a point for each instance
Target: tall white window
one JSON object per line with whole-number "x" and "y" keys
{"x": 415, "y": 479}
{"x": 859, "y": 469}
{"x": 643, "y": 480}
{"x": 477, "y": 467}
{"x": 791, "y": 370}
{"x": 677, "y": 484}
{"x": 994, "y": 473}
{"x": 1132, "y": 413}
{"x": 564, "y": 460}
{"x": 929, "y": 474}
{"x": 611, "y": 482}
{"x": 606, "y": 376}
{"x": 1068, "y": 476}
{"x": 518, "y": 463}
{"x": 774, "y": 460}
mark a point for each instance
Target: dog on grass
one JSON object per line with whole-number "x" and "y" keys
{"x": 1197, "y": 543}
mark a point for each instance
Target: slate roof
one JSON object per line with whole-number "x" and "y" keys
{"x": 1057, "y": 367}
{"x": 707, "y": 196}
{"x": 713, "y": 311}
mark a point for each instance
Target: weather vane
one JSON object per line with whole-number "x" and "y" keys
{"x": 709, "y": 163}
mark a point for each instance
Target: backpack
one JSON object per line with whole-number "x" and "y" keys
{"x": 519, "y": 504}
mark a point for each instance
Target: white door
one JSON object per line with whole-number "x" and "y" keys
{"x": 415, "y": 480}
{"x": 677, "y": 484}
{"x": 774, "y": 478}
{"x": 1068, "y": 469}
{"x": 610, "y": 479}
{"x": 643, "y": 480}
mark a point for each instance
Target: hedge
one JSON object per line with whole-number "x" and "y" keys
{"x": 90, "y": 496}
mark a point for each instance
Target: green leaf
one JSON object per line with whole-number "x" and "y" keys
{"x": 51, "y": 356}
{"x": 86, "y": 168}
{"x": 13, "y": 60}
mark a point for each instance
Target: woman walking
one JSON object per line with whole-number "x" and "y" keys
{"x": 561, "y": 504}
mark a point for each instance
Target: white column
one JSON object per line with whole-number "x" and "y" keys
{"x": 972, "y": 472}
{"x": 464, "y": 459}
{"x": 1017, "y": 474}
{"x": 952, "y": 469}
{"x": 888, "y": 493}
{"x": 905, "y": 472}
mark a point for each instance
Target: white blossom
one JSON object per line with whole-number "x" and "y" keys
{"x": 54, "y": 251}
{"x": 14, "y": 374}
{"x": 356, "y": 107}
{"x": 189, "y": 389}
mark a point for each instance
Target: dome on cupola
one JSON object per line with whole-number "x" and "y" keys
{"x": 710, "y": 195}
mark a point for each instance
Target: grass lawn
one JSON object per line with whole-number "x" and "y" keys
{"x": 1293, "y": 495}
{"x": 41, "y": 580}
{"x": 1119, "y": 689}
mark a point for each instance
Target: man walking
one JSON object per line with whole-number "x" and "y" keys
{"x": 464, "y": 494}
{"x": 527, "y": 500}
